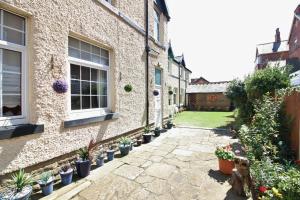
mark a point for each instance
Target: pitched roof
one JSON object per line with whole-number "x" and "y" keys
{"x": 217, "y": 87}
{"x": 163, "y": 7}
{"x": 272, "y": 47}
{"x": 296, "y": 17}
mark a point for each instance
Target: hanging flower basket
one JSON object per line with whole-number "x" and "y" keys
{"x": 60, "y": 86}
{"x": 170, "y": 92}
{"x": 155, "y": 92}
{"x": 128, "y": 88}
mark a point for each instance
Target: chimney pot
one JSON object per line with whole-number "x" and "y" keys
{"x": 277, "y": 36}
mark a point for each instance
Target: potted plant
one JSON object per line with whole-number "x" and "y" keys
{"x": 139, "y": 141}
{"x": 170, "y": 92}
{"x": 169, "y": 124}
{"x": 157, "y": 131}
{"x": 124, "y": 146}
{"x": 46, "y": 183}
{"x": 100, "y": 157}
{"x": 66, "y": 174}
{"x": 83, "y": 164}
{"x": 21, "y": 185}
{"x": 110, "y": 153}
{"x": 226, "y": 157}
{"x": 147, "y": 136}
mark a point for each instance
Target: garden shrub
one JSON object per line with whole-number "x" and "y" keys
{"x": 265, "y": 81}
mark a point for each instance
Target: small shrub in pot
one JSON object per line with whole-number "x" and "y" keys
{"x": 66, "y": 174}
{"x": 21, "y": 185}
{"x": 83, "y": 164}
{"x": 226, "y": 157}
{"x": 147, "y": 136}
{"x": 100, "y": 157}
{"x": 169, "y": 124}
{"x": 110, "y": 153}
{"x": 46, "y": 183}
{"x": 157, "y": 131}
{"x": 124, "y": 146}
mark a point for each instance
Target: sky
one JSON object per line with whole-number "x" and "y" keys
{"x": 218, "y": 38}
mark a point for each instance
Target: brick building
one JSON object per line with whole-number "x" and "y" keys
{"x": 272, "y": 54}
{"x": 208, "y": 96}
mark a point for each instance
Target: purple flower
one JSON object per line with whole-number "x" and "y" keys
{"x": 60, "y": 86}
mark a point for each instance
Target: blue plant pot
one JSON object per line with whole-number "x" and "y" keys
{"x": 147, "y": 138}
{"x": 110, "y": 155}
{"x": 47, "y": 188}
{"x": 100, "y": 162}
{"x": 124, "y": 149}
{"x": 66, "y": 177}
{"x": 22, "y": 197}
{"x": 83, "y": 168}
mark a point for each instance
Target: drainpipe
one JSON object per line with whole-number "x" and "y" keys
{"x": 147, "y": 48}
{"x": 179, "y": 87}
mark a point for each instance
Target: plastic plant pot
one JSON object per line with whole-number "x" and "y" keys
{"x": 124, "y": 149}
{"x": 147, "y": 137}
{"x": 83, "y": 168}
{"x": 100, "y": 161}
{"x": 226, "y": 166}
{"x": 66, "y": 177}
{"x": 110, "y": 155}
{"x": 48, "y": 187}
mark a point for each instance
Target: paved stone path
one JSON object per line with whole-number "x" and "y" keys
{"x": 179, "y": 165}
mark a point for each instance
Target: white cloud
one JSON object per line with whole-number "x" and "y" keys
{"x": 218, "y": 38}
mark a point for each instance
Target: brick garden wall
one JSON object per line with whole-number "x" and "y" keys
{"x": 209, "y": 101}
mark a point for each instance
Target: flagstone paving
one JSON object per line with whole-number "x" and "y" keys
{"x": 178, "y": 165}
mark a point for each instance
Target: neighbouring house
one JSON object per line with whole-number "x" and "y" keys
{"x": 208, "y": 96}
{"x": 200, "y": 80}
{"x": 272, "y": 54}
{"x": 178, "y": 80}
{"x": 92, "y": 47}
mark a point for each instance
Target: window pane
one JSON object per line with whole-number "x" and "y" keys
{"x": 103, "y": 89}
{"x": 157, "y": 77}
{"x": 11, "y": 83}
{"x": 104, "y": 53}
{"x": 85, "y": 88}
{"x": 75, "y": 102}
{"x": 85, "y": 47}
{"x": 95, "y": 88}
{"x": 103, "y": 101}
{"x": 95, "y": 75}
{"x": 85, "y": 73}
{"x": 104, "y": 61}
{"x": 95, "y": 101}
{"x": 74, "y": 52}
{"x": 96, "y": 50}
{"x": 11, "y": 61}
{"x": 86, "y": 102}
{"x": 86, "y": 56}
{"x": 75, "y": 87}
{"x": 11, "y": 105}
{"x": 96, "y": 59}
{"x": 74, "y": 43}
{"x": 13, "y": 36}
{"x": 103, "y": 76}
{"x": 13, "y": 21}
{"x": 75, "y": 72}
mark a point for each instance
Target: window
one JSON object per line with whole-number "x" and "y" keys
{"x": 12, "y": 65}
{"x": 109, "y": 1}
{"x": 156, "y": 25}
{"x": 89, "y": 75}
{"x": 157, "y": 77}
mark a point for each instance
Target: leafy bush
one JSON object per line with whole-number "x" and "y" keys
{"x": 289, "y": 184}
{"x": 265, "y": 81}
{"x": 225, "y": 153}
{"x": 85, "y": 153}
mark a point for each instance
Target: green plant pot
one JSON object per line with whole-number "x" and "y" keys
{"x": 124, "y": 149}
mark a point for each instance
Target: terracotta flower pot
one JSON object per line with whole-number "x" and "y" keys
{"x": 226, "y": 166}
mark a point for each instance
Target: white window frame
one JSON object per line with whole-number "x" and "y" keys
{"x": 93, "y": 112}
{"x": 23, "y": 118}
{"x": 156, "y": 22}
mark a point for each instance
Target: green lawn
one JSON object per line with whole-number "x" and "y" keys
{"x": 204, "y": 119}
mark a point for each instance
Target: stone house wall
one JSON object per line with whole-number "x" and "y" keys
{"x": 49, "y": 24}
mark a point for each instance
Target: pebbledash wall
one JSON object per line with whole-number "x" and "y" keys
{"x": 117, "y": 28}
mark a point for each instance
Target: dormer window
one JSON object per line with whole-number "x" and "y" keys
{"x": 156, "y": 25}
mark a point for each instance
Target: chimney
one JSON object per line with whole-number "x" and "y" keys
{"x": 277, "y": 36}
{"x": 297, "y": 11}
